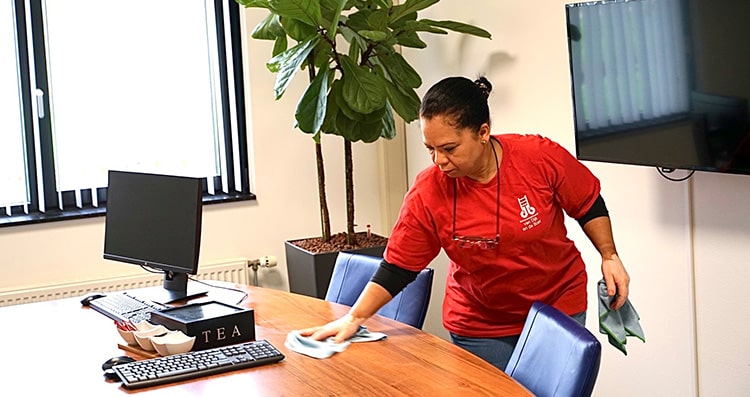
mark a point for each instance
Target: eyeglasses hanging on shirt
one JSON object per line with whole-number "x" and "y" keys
{"x": 482, "y": 243}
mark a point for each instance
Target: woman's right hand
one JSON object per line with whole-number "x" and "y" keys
{"x": 341, "y": 329}
{"x": 370, "y": 301}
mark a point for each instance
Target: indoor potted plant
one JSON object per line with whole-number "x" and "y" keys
{"x": 357, "y": 79}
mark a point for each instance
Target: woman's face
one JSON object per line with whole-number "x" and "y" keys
{"x": 457, "y": 152}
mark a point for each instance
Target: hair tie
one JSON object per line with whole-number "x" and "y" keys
{"x": 483, "y": 87}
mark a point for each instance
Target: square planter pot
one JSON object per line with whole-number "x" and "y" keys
{"x": 310, "y": 273}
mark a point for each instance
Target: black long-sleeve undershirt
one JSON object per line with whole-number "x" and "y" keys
{"x": 599, "y": 208}
{"x": 392, "y": 277}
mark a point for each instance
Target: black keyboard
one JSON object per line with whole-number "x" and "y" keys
{"x": 194, "y": 364}
{"x": 121, "y": 306}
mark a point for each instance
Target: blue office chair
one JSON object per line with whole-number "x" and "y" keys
{"x": 351, "y": 272}
{"x": 555, "y": 355}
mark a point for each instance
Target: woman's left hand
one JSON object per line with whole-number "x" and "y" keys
{"x": 617, "y": 280}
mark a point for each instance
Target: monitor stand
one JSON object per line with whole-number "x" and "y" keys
{"x": 176, "y": 288}
{"x": 167, "y": 296}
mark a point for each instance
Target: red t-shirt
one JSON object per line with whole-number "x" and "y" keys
{"x": 489, "y": 292}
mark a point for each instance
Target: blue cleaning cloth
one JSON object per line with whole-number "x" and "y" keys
{"x": 327, "y": 348}
{"x": 618, "y": 324}
{"x": 363, "y": 335}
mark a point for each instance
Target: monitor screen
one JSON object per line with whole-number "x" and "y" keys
{"x": 154, "y": 221}
{"x": 662, "y": 83}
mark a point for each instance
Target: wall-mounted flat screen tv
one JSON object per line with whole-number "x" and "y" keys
{"x": 662, "y": 83}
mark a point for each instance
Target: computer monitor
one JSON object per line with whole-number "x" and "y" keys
{"x": 154, "y": 221}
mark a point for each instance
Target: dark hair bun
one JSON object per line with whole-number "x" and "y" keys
{"x": 484, "y": 85}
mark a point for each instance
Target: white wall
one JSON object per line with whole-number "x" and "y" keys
{"x": 286, "y": 208}
{"x": 684, "y": 244}
{"x": 721, "y": 275}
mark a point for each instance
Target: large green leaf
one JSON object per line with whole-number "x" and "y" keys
{"x": 355, "y": 47}
{"x": 288, "y": 62}
{"x": 404, "y": 101}
{"x": 378, "y": 20}
{"x": 334, "y": 8}
{"x": 410, "y": 6}
{"x": 370, "y": 132}
{"x": 399, "y": 70}
{"x": 379, "y": 125}
{"x": 354, "y": 131}
{"x": 383, "y": 127}
{"x": 280, "y": 45}
{"x": 332, "y": 108}
{"x": 387, "y": 124}
{"x": 366, "y": 128}
{"x": 359, "y": 20}
{"x": 368, "y": 23}
{"x": 344, "y": 107}
{"x": 330, "y": 7}
{"x": 373, "y": 35}
{"x": 397, "y": 25}
{"x": 459, "y": 27}
{"x": 296, "y": 29}
{"x": 311, "y": 109}
{"x": 268, "y": 29}
{"x": 363, "y": 90}
{"x": 352, "y": 114}
{"x": 420, "y": 26}
{"x": 410, "y": 39}
{"x": 345, "y": 126}
{"x": 322, "y": 55}
{"x": 303, "y": 10}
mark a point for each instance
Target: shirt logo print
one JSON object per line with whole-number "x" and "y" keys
{"x": 529, "y": 216}
{"x": 526, "y": 209}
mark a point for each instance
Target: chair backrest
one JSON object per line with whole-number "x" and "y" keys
{"x": 352, "y": 272}
{"x": 555, "y": 355}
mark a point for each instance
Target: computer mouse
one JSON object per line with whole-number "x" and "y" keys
{"x": 115, "y": 361}
{"x": 87, "y": 300}
{"x": 110, "y": 374}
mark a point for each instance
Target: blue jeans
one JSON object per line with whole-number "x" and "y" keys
{"x": 497, "y": 351}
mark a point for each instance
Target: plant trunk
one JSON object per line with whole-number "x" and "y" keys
{"x": 325, "y": 218}
{"x": 325, "y": 221}
{"x": 351, "y": 237}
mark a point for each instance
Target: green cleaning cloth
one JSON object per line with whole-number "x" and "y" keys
{"x": 618, "y": 324}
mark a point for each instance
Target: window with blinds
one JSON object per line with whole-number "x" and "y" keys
{"x": 89, "y": 86}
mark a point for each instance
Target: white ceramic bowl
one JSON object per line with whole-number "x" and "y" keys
{"x": 173, "y": 342}
{"x": 128, "y": 336}
{"x": 144, "y": 337}
{"x": 144, "y": 326}
{"x": 159, "y": 342}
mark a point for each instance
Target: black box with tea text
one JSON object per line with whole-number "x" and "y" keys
{"x": 212, "y": 323}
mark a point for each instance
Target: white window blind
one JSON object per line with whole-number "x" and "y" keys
{"x": 12, "y": 151}
{"x": 137, "y": 95}
{"x": 636, "y": 79}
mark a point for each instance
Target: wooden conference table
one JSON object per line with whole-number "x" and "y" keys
{"x": 58, "y": 347}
